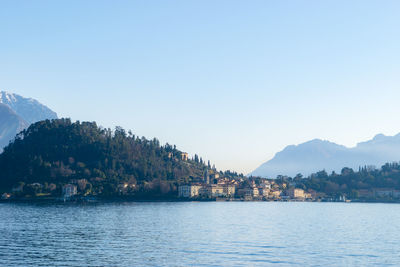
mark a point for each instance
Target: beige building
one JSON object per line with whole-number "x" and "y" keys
{"x": 189, "y": 191}
{"x": 229, "y": 190}
{"x": 248, "y": 192}
{"x": 218, "y": 190}
{"x": 275, "y": 194}
{"x": 184, "y": 156}
{"x": 214, "y": 175}
{"x": 255, "y": 192}
{"x": 215, "y": 190}
{"x": 207, "y": 190}
{"x": 296, "y": 193}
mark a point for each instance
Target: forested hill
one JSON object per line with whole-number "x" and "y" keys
{"x": 57, "y": 152}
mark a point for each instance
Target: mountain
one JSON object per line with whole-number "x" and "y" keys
{"x": 17, "y": 113}
{"x": 316, "y": 155}
{"x": 10, "y": 124}
{"x": 28, "y": 109}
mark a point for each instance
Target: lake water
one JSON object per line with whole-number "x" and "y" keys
{"x": 200, "y": 234}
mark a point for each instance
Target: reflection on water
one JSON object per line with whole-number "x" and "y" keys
{"x": 200, "y": 234}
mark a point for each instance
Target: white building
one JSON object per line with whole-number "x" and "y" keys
{"x": 69, "y": 190}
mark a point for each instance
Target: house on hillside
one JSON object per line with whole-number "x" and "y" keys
{"x": 184, "y": 156}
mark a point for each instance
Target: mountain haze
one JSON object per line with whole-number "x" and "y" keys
{"x": 316, "y": 155}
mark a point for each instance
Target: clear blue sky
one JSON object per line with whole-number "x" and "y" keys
{"x": 234, "y": 81}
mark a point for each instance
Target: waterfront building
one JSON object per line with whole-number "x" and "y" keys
{"x": 275, "y": 194}
{"x": 364, "y": 193}
{"x": 264, "y": 192}
{"x": 383, "y": 192}
{"x": 189, "y": 191}
{"x": 308, "y": 196}
{"x": 216, "y": 190}
{"x": 246, "y": 192}
{"x": 229, "y": 190}
{"x": 255, "y": 192}
{"x": 295, "y": 193}
{"x": 396, "y": 194}
{"x": 69, "y": 190}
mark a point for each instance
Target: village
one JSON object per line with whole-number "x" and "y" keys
{"x": 212, "y": 186}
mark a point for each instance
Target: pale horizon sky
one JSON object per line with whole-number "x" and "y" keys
{"x": 233, "y": 81}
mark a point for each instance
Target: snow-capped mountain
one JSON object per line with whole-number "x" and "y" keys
{"x": 27, "y": 108}
{"x": 17, "y": 113}
{"x": 317, "y": 155}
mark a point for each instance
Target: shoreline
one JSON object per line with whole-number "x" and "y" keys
{"x": 142, "y": 200}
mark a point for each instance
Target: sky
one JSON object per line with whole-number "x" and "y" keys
{"x": 233, "y": 81}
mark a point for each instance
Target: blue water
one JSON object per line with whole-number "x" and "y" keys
{"x": 200, "y": 234}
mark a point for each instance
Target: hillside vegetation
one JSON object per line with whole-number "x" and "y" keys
{"x": 101, "y": 161}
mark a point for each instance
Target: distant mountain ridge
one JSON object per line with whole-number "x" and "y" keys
{"x": 316, "y": 155}
{"x": 17, "y": 113}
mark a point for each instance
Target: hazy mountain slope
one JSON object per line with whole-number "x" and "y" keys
{"x": 10, "y": 124}
{"x": 317, "y": 155}
{"x": 27, "y": 108}
{"x": 380, "y": 149}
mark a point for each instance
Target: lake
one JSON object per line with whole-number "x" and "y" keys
{"x": 200, "y": 234}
